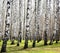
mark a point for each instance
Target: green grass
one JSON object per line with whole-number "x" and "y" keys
{"x": 40, "y": 48}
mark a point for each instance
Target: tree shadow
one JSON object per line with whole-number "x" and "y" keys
{"x": 22, "y": 49}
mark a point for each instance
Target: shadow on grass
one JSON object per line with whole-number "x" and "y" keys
{"x": 16, "y": 48}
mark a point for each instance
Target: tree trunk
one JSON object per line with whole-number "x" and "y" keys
{"x": 27, "y": 25}
{"x": 12, "y": 41}
{"x": 3, "y": 49}
{"x": 7, "y": 28}
{"x": 45, "y": 38}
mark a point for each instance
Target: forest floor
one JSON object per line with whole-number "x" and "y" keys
{"x": 40, "y": 48}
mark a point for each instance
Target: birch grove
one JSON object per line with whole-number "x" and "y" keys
{"x": 33, "y": 20}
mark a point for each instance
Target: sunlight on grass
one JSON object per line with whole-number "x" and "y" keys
{"x": 40, "y": 48}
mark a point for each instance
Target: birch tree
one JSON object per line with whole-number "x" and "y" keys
{"x": 7, "y": 27}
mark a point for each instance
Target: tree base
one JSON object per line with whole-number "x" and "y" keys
{"x": 50, "y": 43}
{"x": 33, "y": 44}
{"x": 56, "y": 41}
{"x": 45, "y": 44}
{"x": 3, "y": 50}
{"x": 12, "y": 43}
{"x": 26, "y": 45}
{"x": 17, "y": 44}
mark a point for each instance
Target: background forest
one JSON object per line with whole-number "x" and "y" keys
{"x": 30, "y": 23}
